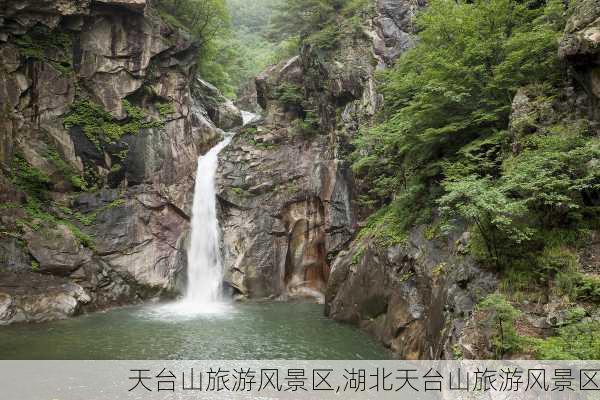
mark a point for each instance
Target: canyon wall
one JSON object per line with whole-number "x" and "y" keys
{"x": 100, "y": 134}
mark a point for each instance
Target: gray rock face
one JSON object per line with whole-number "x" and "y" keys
{"x": 414, "y": 297}
{"x": 580, "y": 46}
{"x": 57, "y": 250}
{"x": 220, "y": 110}
{"x": 284, "y": 210}
{"x": 394, "y": 28}
{"x": 52, "y": 54}
{"x": 285, "y": 201}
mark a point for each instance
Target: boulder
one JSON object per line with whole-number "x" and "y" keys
{"x": 57, "y": 250}
{"x": 32, "y": 297}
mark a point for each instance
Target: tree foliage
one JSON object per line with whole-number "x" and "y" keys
{"x": 204, "y": 19}
{"x": 446, "y": 124}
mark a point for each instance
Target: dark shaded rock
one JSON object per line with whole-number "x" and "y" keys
{"x": 411, "y": 297}
{"x": 133, "y": 5}
{"x": 14, "y": 256}
{"x": 580, "y": 46}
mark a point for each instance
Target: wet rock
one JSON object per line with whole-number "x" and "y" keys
{"x": 7, "y": 309}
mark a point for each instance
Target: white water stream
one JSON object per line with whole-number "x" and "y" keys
{"x": 205, "y": 268}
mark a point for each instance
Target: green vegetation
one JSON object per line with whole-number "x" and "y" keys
{"x": 576, "y": 341}
{"x": 318, "y": 22}
{"x": 54, "y": 48}
{"x": 444, "y": 140}
{"x": 204, "y": 19}
{"x": 29, "y": 178}
{"x": 578, "y": 338}
{"x": 501, "y": 316}
{"x": 242, "y": 50}
{"x": 238, "y": 39}
{"x": 290, "y": 95}
{"x": 39, "y": 211}
{"x": 526, "y": 185}
{"x": 76, "y": 180}
{"x": 101, "y": 127}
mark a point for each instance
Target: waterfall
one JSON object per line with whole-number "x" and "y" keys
{"x": 205, "y": 268}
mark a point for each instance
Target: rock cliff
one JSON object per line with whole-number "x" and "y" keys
{"x": 285, "y": 187}
{"x": 419, "y": 298}
{"x": 99, "y": 140}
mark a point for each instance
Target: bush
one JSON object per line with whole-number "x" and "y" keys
{"x": 290, "y": 95}
{"x": 579, "y": 341}
{"x": 501, "y": 317}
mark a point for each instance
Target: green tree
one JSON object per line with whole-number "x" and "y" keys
{"x": 302, "y": 17}
{"x": 204, "y": 19}
{"x": 456, "y": 86}
{"x": 501, "y": 317}
{"x": 496, "y": 216}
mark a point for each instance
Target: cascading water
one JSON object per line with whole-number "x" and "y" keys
{"x": 205, "y": 270}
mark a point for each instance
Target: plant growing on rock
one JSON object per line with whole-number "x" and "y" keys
{"x": 496, "y": 216}
{"x": 29, "y": 178}
{"x": 100, "y": 126}
{"x": 501, "y": 318}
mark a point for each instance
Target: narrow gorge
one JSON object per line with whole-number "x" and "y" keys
{"x": 346, "y": 182}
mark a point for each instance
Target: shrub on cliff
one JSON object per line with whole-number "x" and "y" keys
{"x": 446, "y": 125}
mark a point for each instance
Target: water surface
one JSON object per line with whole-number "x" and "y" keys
{"x": 240, "y": 331}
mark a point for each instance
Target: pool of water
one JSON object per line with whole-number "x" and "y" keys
{"x": 235, "y": 332}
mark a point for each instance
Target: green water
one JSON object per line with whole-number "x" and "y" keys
{"x": 242, "y": 331}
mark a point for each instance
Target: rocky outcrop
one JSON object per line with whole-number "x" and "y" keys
{"x": 285, "y": 203}
{"x": 99, "y": 138}
{"x": 286, "y": 192}
{"x": 220, "y": 110}
{"x": 285, "y": 210}
{"x": 414, "y": 297}
{"x": 395, "y": 31}
{"x": 56, "y": 250}
{"x": 31, "y": 297}
{"x": 580, "y": 46}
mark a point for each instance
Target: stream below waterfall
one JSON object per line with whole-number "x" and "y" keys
{"x": 261, "y": 330}
{"x": 202, "y": 325}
